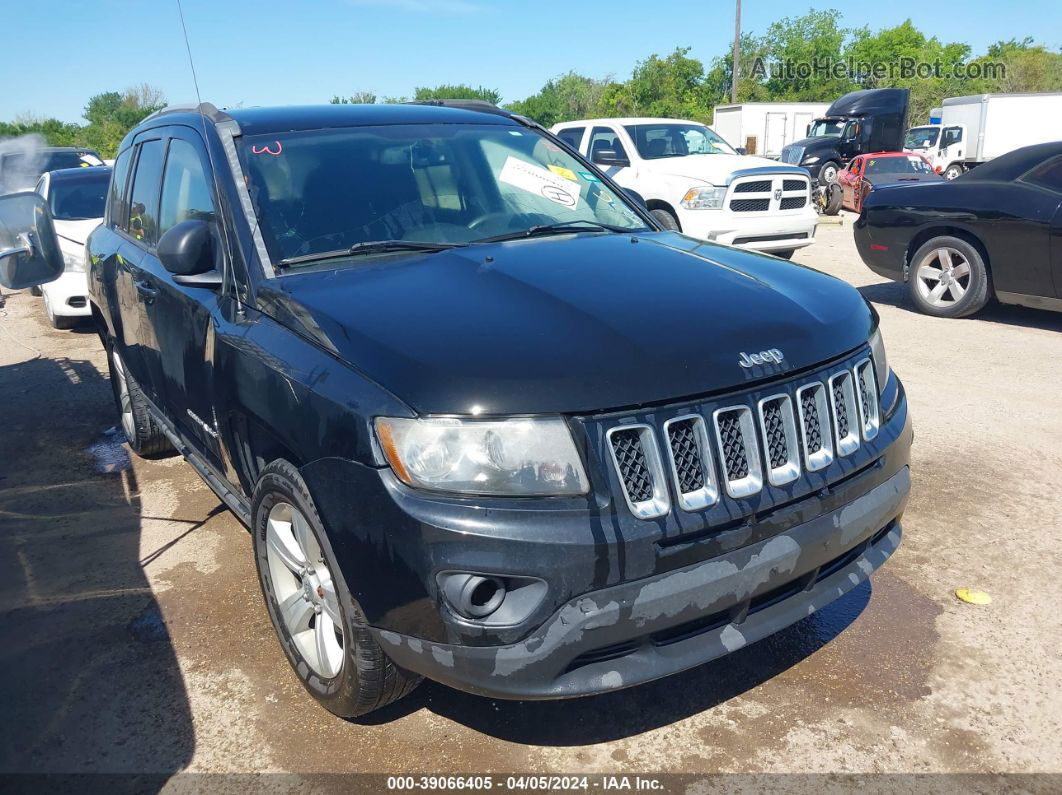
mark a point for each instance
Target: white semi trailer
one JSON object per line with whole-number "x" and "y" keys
{"x": 763, "y": 128}
{"x": 977, "y": 128}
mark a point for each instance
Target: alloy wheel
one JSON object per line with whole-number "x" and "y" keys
{"x": 943, "y": 277}
{"x": 125, "y": 400}
{"x": 305, "y": 591}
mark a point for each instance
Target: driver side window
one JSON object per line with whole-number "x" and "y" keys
{"x": 605, "y": 138}
{"x": 952, "y": 135}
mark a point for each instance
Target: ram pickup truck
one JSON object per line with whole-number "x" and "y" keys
{"x": 694, "y": 182}
{"x": 486, "y": 421}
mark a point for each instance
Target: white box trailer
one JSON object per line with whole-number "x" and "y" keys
{"x": 977, "y": 128}
{"x": 763, "y": 128}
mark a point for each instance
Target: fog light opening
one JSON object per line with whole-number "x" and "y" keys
{"x": 475, "y": 596}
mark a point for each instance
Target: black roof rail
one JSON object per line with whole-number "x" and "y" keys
{"x": 464, "y": 104}
{"x": 204, "y": 108}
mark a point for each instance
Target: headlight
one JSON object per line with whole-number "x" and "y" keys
{"x": 812, "y": 159}
{"x": 75, "y": 263}
{"x": 881, "y": 364}
{"x": 519, "y": 457}
{"x": 704, "y": 198}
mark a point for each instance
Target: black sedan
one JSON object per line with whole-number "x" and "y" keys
{"x": 994, "y": 231}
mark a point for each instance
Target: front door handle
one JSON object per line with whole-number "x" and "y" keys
{"x": 147, "y": 292}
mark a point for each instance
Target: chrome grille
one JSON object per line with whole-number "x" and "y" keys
{"x": 869, "y": 410}
{"x": 750, "y": 205}
{"x": 640, "y": 470}
{"x": 736, "y": 438}
{"x": 815, "y": 426}
{"x": 736, "y": 449}
{"x": 779, "y": 439}
{"x": 691, "y": 462}
{"x": 758, "y": 186}
{"x": 793, "y": 155}
{"x": 845, "y": 413}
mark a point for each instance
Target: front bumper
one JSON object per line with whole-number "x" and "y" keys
{"x": 646, "y": 629}
{"x": 755, "y": 231}
{"x": 67, "y": 296}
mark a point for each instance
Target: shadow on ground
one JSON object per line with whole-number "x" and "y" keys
{"x": 625, "y": 713}
{"x": 895, "y": 294}
{"x": 91, "y": 682}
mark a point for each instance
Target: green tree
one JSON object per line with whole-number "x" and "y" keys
{"x": 570, "y": 96}
{"x": 458, "y": 91}
{"x": 670, "y": 86}
{"x": 111, "y": 115}
{"x": 357, "y": 98}
{"x": 808, "y": 45}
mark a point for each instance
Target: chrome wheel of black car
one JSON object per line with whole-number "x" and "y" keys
{"x": 948, "y": 278}
{"x": 943, "y": 277}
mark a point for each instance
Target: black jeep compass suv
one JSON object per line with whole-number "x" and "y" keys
{"x": 486, "y": 421}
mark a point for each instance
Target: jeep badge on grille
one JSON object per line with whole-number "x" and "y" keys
{"x": 763, "y": 357}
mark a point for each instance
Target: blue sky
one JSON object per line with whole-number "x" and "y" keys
{"x": 265, "y": 52}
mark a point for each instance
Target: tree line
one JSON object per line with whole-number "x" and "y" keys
{"x": 677, "y": 85}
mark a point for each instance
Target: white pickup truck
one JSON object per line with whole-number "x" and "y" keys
{"x": 977, "y": 128}
{"x": 695, "y": 182}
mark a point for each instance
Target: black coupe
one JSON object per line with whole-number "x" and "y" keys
{"x": 994, "y": 231}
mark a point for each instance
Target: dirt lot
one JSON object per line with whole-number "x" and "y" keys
{"x": 133, "y": 636}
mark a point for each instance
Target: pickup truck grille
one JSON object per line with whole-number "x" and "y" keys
{"x": 776, "y": 193}
{"x": 749, "y": 443}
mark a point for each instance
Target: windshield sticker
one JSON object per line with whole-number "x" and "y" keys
{"x": 561, "y": 171}
{"x": 266, "y": 149}
{"x": 533, "y": 179}
{"x": 588, "y": 176}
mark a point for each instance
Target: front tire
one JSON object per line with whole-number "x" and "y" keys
{"x": 953, "y": 171}
{"x": 320, "y": 626}
{"x": 61, "y": 322}
{"x": 787, "y": 254}
{"x": 948, "y": 278}
{"x": 666, "y": 220}
{"x": 828, "y": 172}
{"x": 144, "y": 435}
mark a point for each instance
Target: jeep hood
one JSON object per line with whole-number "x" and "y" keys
{"x": 713, "y": 169}
{"x": 569, "y": 324}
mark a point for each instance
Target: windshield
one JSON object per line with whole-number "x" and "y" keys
{"x": 78, "y": 199}
{"x": 898, "y": 165}
{"x": 325, "y": 191}
{"x": 827, "y": 128}
{"x": 654, "y": 141}
{"x": 921, "y": 137}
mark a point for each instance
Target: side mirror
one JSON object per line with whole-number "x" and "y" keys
{"x": 187, "y": 249}
{"x": 29, "y": 251}
{"x": 741, "y": 150}
{"x": 636, "y": 197}
{"x": 609, "y": 157}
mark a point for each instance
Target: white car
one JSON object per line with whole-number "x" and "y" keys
{"x": 76, "y": 197}
{"x": 695, "y": 182}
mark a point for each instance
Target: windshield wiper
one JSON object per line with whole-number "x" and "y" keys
{"x": 561, "y": 227}
{"x": 370, "y": 247}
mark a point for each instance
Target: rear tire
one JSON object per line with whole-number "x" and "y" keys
{"x": 666, "y": 220}
{"x": 321, "y": 627}
{"x": 144, "y": 435}
{"x": 948, "y": 278}
{"x": 787, "y": 254}
{"x": 36, "y": 291}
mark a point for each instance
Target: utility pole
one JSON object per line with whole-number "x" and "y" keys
{"x": 737, "y": 52}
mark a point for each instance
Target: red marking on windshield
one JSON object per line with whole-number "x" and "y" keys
{"x": 266, "y": 149}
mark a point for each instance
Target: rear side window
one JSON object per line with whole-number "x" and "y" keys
{"x": 572, "y": 136}
{"x": 144, "y": 199}
{"x": 1047, "y": 175}
{"x": 186, "y": 193}
{"x": 116, "y": 196}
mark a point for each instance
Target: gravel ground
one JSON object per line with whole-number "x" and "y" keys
{"x": 133, "y": 637}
